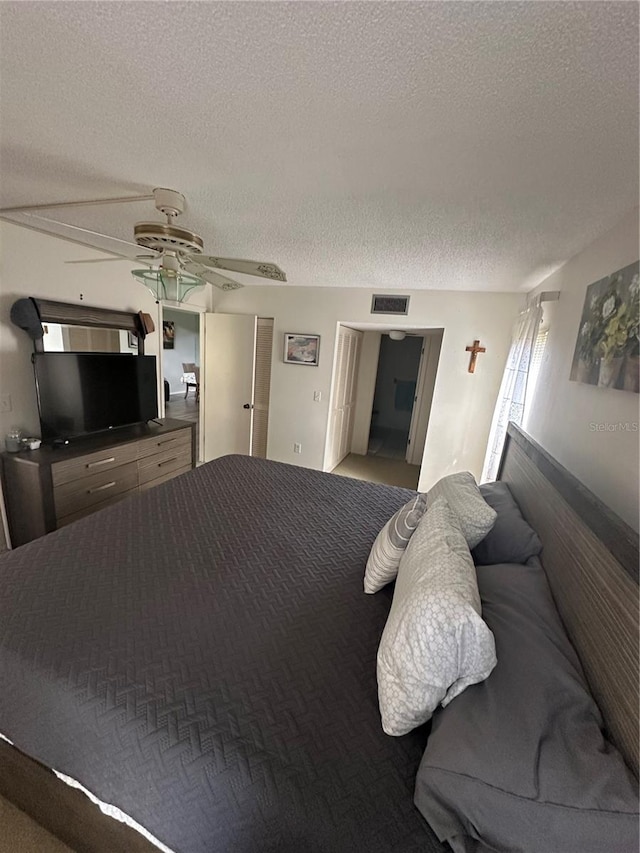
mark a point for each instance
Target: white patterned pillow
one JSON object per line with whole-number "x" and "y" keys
{"x": 475, "y": 515}
{"x": 435, "y": 643}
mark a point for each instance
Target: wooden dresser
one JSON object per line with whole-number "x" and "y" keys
{"x": 47, "y": 488}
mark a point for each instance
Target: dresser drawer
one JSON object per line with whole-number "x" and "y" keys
{"x": 86, "y": 466}
{"x": 167, "y": 462}
{"x": 162, "y": 478}
{"x": 173, "y": 441}
{"x": 70, "y": 498}
{"x": 89, "y": 510}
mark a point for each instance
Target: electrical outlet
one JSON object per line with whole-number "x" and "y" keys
{"x": 317, "y": 396}
{"x": 5, "y": 403}
{"x": 297, "y": 448}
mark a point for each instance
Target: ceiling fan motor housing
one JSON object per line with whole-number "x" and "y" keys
{"x": 163, "y": 237}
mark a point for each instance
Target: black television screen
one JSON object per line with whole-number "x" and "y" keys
{"x": 84, "y": 392}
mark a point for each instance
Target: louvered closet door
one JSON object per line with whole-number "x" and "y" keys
{"x": 262, "y": 387}
{"x": 344, "y": 396}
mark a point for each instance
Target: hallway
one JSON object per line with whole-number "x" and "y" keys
{"x": 388, "y": 443}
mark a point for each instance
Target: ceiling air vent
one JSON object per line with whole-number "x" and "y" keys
{"x": 384, "y": 304}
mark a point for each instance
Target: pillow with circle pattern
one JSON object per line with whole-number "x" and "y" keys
{"x": 435, "y": 643}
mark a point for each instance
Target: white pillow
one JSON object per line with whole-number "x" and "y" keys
{"x": 475, "y": 515}
{"x": 434, "y": 643}
{"x": 462, "y": 494}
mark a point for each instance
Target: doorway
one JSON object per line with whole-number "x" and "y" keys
{"x": 180, "y": 335}
{"x": 390, "y": 405}
{"x": 237, "y": 355}
{"x": 394, "y": 396}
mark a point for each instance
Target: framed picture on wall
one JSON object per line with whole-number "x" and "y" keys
{"x": 168, "y": 334}
{"x": 607, "y": 351}
{"x": 301, "y": 349}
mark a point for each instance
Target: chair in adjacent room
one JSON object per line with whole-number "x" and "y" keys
{"x": 191, "y": 378}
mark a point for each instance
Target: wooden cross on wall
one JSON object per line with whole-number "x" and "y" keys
{"x": 474, "y": 350}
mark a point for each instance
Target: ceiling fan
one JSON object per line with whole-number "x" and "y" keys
{"x": 175, "y": 255}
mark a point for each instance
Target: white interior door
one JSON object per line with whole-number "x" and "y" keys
{"x": 424, "y": 396}
{"x": 228, "y": 377}
{"x": 343, "y": 399}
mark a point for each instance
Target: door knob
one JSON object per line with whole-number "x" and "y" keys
{"x": 247, "y": 406}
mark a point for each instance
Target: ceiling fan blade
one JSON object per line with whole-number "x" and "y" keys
{"x": 129, "y": 251}
{"x": 262, "y": 268}
{"x": 141, "y": 259}
{"x": 83, "y": 230}
{"x": 209, "y": 275}
{"x": 96, "y": 260}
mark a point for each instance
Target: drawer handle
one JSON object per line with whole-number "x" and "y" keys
{"x": 101, "y": 488}
{"x": 166, "y": 461}
{"x": 166, "y": 441}
{"x": 100, "y": 462}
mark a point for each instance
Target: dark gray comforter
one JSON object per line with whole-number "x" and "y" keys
{"x": 203, "y": 657}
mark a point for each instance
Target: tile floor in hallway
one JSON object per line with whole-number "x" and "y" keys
{"x": 388, "y": 443}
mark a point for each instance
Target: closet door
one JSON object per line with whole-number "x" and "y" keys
{"x": 343, "y": 398}
{"x": 355, "y": 343}
{"x": 336, "y": 411}
{"x": 262, "y": 387}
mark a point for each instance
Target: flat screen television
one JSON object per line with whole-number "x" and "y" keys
{"x": 86, "y": 392}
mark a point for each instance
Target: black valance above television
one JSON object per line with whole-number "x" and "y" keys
{"x": 29, "y": 313}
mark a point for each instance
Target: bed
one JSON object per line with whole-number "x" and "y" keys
{"x": 202, "y": 657}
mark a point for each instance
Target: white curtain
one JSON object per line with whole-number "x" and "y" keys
{"x": 510, "y": 405}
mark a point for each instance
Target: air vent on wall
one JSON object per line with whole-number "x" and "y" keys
{"x": 386, "y": 304}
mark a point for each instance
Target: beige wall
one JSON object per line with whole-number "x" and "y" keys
{"x": 32, "y": 264}
{"x": 463, "y": 403}
{"x": 565, "y": 415}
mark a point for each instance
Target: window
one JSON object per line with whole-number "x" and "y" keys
{"x": 534, "y": 368}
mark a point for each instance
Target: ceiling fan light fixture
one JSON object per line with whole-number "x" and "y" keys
{"x": 169, "y": 285}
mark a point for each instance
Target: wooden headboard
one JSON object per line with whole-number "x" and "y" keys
{"x": 591, "y": 559}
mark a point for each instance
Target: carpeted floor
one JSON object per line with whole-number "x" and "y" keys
{"x": 20, "y": 834}
{"x": 376, "y": 469}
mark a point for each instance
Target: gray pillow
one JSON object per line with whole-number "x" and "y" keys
{"x": 511, "y": 539}
{"x": 390, "y": 544}
{"x": 461, "y": 492}
{"x": 519, "y": 762}
{"x": 434, "y": 643}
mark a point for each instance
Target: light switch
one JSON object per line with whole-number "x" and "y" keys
{"x": 317, "y": 396}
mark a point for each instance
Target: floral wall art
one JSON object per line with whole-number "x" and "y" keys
{"x": 607, "y": 348}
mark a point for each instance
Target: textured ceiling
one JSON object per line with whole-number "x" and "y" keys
{"x": 389, "y": 145}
